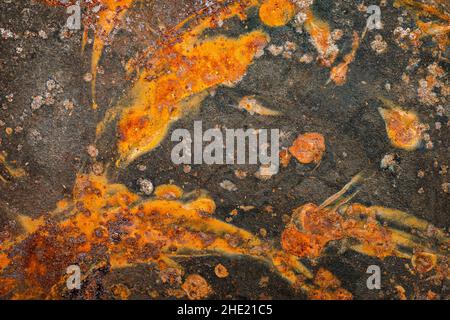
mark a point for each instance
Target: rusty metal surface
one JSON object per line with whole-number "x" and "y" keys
{"x": 57, "y": 167}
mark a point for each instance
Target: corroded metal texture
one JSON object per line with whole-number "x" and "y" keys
{"x": 87, "y": 177}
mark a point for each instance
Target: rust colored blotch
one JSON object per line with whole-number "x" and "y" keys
{"x": 403, "y": 128}
{"x": 221, "y": 271}
{"x": 308, "y": 148}
{"x": 329, "y": 287}
{"x": 276, "y": 13}
{"x": 196, "y": 287}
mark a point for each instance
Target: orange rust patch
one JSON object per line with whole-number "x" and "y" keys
{"x": 320, "y": 34}
{"x": 438, "y": 30}
{"x": 4, "y": 261}
{"x": 276, "y": 13}
{"x": 285, "y": 158}
{"x": 312, "y": 228}
{"x": 10, "y": 171}
{"x": 404, "y": 128}
{"x": 325, "y": 279}
{"x": 308, "y": 148}
{"x": 252, "y": 106}
{"x": 189, "y": 68}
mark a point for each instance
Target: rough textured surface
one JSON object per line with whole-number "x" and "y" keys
{"x": 51, "y": 142}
